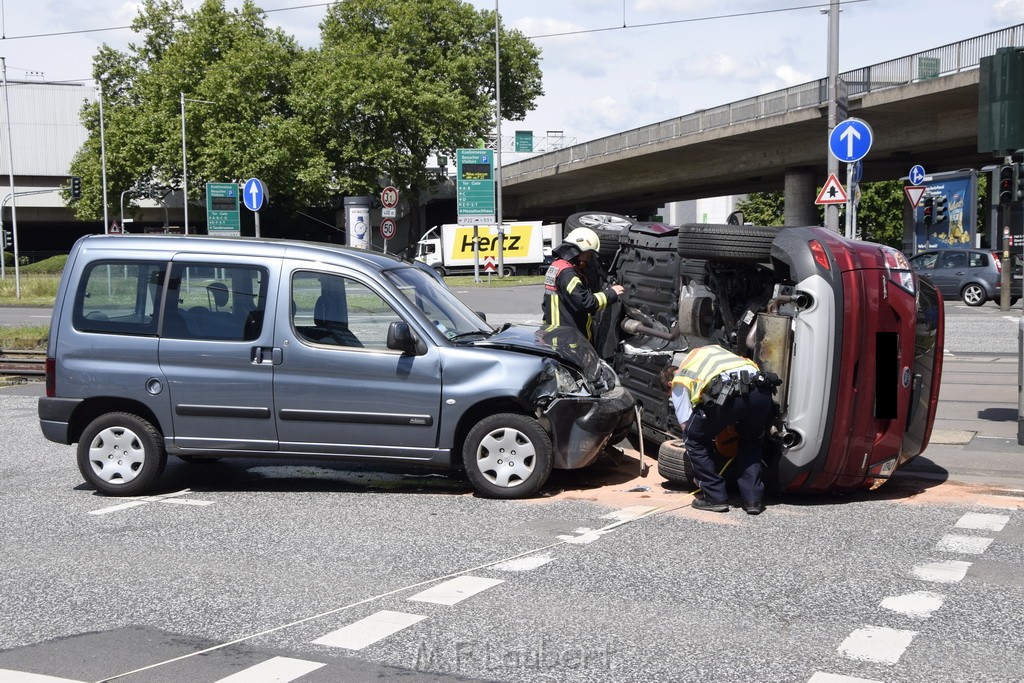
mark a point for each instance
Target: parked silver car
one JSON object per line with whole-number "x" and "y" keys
{"x": 972, "y": 275}
{"x": 205, "y": 348}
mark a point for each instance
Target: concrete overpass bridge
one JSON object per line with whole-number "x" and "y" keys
{"x": 923, "y": 109}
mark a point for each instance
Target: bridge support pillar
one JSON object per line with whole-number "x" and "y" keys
{"x": 801, "y": 191}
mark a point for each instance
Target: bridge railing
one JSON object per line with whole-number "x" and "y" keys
{"x": 940, "y": 61}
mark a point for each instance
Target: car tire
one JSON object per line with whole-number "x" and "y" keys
{"x": 610, "y": 229}
{"x": 973, "y": 294}
{"x": 746, "y": 243}
{"x": 507, "y": 455}
{"x": 121, "y": 454}
{"x": 673, "y": 464}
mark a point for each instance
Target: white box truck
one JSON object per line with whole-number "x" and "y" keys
{"x": 448, "y": 248}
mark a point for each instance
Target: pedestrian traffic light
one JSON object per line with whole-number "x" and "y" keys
{"x": 1007, "y": 183}
{"x": 941, "y": 211}
{"x": 76, "y": 187}
{"x": 928, "y": 210}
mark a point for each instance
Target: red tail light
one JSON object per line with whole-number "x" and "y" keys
{"x": 998, "y": 258}
{"x": 51, "y": 377}
{"x": 820, "y": 257}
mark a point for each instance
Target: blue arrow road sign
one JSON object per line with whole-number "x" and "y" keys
{"x": 850, "y": 140}
{"x": 252, "y": 194}
{"x": 916, "y": 175}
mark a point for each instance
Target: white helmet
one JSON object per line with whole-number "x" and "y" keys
{"x": 584, "y": 238}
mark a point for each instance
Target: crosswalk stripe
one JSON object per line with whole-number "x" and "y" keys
{"x": 949, "y": 571}
{"x": 983, "y": 521}
{"x": 368, "y": 631}
{"x": 274, "y": 670}
{"x": 877, "y": 644}
{"x": 956, "y": 543}
{"x": 455, "y": 590}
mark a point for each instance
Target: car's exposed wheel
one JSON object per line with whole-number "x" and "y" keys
{"x": 973, "y": 294}
{"x": 673, "y": 463}
{"x": 747, "y": 243}
{"x": 121, "y": 454}
{"x": 610, "y": 229}
{"x": 507, "y": 456}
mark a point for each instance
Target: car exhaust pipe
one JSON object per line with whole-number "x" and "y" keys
{"x": 631, "y": 326}
{"x": 790, "y": 439}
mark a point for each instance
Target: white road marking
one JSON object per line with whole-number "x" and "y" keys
{"x": 957, "y": 543}
{"x": 586, "y": 535}
{"x": 162, "y": 498}
{"x": 626, "y": 514}
{"x": 455, "y": 590}
{"x": 368, "y": 631}
{"x": 275, "y": 670}
{"x": 946, "y": 571}
{"x": 11, "y": 676}
{"x": 523, "y": 564}
{"x": 877, "y": 644}
{"x": 918, "y": 605}
{"x": 821, "y": 677}
{"x": 983, "y": 521}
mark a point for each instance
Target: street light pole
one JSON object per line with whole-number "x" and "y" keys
{"x": 10, "y": 169}
{"x": 103, "y": 162}
{"x": 831, "y": 210}
{"x": 497, "y": 147}
{"x": 184, "y": 160}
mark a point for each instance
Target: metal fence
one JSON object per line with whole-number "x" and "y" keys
{"x": 940, "y": 61}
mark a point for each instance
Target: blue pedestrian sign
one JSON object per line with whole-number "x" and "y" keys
{"x": 916, "y": 175}
{"x": 252, "y": 194}
{"x": 850, "y": 140}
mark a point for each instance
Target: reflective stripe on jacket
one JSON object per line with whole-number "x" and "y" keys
{"x": 568, "y": 299}
{"x": 703, "y": 364}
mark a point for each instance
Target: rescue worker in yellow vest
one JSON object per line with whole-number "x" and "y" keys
{"x": 713, "y": 389}
{"x": 570, "y": 296}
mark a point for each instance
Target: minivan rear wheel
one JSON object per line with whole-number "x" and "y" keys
{"x": 507, "y": 456}
{"x": 973, "y": 294}
{"x": 121, "y": 454}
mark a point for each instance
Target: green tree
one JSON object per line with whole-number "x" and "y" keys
{"x": 396, "y": 81}
{"x": 229, "y": 58}
{"x": 763, "y": 208}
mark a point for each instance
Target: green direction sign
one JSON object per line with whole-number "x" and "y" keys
{"x": 474, "y": 186}
{"x": 222, "y": 209}
{"x": 928, "y": 67}
{"x": 524, "y": 140}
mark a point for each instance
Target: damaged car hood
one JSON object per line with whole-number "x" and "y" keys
{"x": 566, "y": 344}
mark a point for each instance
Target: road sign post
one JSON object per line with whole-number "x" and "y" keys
{"x": 388, "y": 228}
{"x": 849, "y": 142}
{"x": 253, "y": 194}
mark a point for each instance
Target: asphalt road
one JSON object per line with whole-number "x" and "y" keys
{"x": 255, "y": 571}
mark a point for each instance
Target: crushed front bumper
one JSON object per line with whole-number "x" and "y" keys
{"x": 581, "y": 425}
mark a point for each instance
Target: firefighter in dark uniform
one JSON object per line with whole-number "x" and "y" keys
{"x": 571, "y": 298}
{"x": 713, "y": 389}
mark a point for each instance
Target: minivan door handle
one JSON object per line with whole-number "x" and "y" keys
{"x": 262, "y": 354}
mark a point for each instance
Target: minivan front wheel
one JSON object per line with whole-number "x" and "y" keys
{"x": 507, "y": 456}
{"x": 973, "y": 294}
{"x": 121, "y": 454}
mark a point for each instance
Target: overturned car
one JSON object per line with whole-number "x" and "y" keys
{"x": 854, "y": 334}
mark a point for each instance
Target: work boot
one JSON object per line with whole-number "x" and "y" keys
{"x": 753, "y": 507}
{"x": 701, "y": 503}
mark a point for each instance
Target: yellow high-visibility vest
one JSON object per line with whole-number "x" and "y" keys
{"x": 705, "y": 363}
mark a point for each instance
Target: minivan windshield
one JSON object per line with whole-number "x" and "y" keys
{"x": 437, "y": 303}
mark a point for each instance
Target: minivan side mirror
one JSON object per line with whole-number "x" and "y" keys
{"x": 401, "y": 338}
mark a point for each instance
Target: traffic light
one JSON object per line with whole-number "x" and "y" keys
{"x": 928, "y": 210}
{"x": 1007, "y": 183}
{"x": 1018, "y": 194}
{"x": 941, "y": 212}
{"x": 8, "y": 238}
{"x": 76, "y": 187}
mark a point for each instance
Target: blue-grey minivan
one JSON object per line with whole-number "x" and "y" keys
{"x": 207, "y": 347}
{"x": 972, "y": 275}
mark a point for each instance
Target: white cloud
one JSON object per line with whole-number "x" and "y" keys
{"x": 1009, "y": 11}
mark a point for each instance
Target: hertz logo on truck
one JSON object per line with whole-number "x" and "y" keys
{"x": 517, "y": 242}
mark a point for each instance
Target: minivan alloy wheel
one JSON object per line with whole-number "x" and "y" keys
{"x": 973, "y": 294}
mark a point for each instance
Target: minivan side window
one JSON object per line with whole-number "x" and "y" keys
{"x": 213, "y": 301}
{"x": 339, "y": 311}
{"x": 953, "y": 259}
{"x": 978, "y": 260}
{"x": 119, "y": 297}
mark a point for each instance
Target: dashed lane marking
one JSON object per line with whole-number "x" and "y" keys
{"x": 11, "y": 676}
{"x": 275, "y": 670}
{"x": 821, "y": 677}
{"x": 145, "y": 500}
{"x": 918, "y": 605}
{"x": 523, "y": 564}
{"x": 957, "y": 543}
{"x": 947, "y": 571}
{"x": 455, "y": 590}
{"x": 368, "y": 631}
{"x": 877, "y": 644}
{"x": 630, "y": 513}
{"x": 982, "y": 521}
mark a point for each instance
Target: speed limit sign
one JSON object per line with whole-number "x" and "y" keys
{"x": 388, "y": 228}
{"x": 389, "y": 197}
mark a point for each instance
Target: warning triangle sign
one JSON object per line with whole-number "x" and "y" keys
{"x": 832, "y": 193}
{"x": 914, "y": 193}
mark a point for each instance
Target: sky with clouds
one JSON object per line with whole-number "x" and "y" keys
{"x": 609, "y": 65}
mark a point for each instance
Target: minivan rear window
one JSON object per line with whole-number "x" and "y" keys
{"x": 119, "y": 297}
